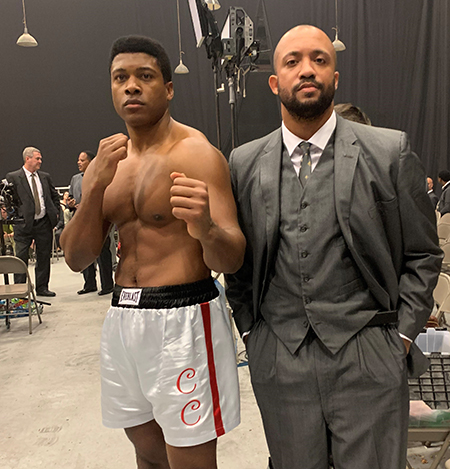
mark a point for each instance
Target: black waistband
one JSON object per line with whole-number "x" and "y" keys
{"x": 171, "y": 296}
{"x": 383, "y": 318}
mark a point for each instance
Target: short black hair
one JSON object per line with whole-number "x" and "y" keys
{"x": 151, "y": 47}
{"x": 444, "y": 175}
{"x": 90, "y": 155}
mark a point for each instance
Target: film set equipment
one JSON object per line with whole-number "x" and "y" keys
{"x": 228, "y": 49}
{"x": 9, "y": 204}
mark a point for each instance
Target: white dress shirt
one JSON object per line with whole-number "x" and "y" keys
{"x": 318, "y": 143}
{"x": 40, "y": 192}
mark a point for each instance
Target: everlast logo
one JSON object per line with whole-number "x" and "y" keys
{"x": 130, "y": 296}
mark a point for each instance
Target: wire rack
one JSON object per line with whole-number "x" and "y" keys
{"x": 433, "y": 387}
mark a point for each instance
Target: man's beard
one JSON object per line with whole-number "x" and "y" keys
{"x": 307, "y": 110}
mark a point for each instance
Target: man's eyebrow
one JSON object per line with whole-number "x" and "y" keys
{"x": 296, "y": 53}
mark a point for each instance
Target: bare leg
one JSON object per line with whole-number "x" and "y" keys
{"x": 193, "y": 457}
{"x": 148, "y": 440}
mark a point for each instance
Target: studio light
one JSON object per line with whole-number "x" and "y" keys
{"x": 338, "y": 45}
{"x": 213, "y": 4}
{"x": 26, "y": 40}
{"x": 181, "y": 68}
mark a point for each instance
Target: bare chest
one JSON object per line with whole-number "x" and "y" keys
{"x": 140, "y": 191}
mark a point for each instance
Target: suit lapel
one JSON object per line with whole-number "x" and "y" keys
{"x": 270, "y": 174}
{"x": 346, "y": 155}
{"x": 24, "y": 182}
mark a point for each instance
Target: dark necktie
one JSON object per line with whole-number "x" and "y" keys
{"x": 37, "y": 201}
{"x": 305, "y": 168}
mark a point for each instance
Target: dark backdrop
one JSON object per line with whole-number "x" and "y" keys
{"x": 56, "y": 96}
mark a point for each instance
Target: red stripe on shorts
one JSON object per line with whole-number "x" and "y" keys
{"x": 206, "y": 315}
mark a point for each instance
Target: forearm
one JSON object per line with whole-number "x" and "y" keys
{"x": 223, "y": 249}
{"x": 83, "y": 237}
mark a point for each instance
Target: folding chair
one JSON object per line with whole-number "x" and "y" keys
{"x": 443, "y": 231}
{"x": 446, "y": 261}
{"x": 433, "y": 387}
{"x": 14, "y": 265}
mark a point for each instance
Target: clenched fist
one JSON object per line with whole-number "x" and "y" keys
{"x": 190, "y": 202}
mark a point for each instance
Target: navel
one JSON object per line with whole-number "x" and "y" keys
{"x": 158, "y": 217}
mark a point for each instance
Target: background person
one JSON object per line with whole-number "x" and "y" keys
{"x": 40, "y": 209}
{"x": 443, "y": 205}
{"x": 104, "y": 261}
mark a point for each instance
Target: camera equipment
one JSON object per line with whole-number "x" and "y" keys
{"x": 234, "y": 50}
{"x": 9, "y": 202}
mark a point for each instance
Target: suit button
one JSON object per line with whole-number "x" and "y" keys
{"x": 303, "y": 228}
{"x": 307, "y": 300}
{"x": 306, "y": 278}
{"x": 304, "y": 254}
{"x": 303, "y": 205}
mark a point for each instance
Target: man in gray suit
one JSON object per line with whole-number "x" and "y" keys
{"x": 40, "y": 209}
{"x": 342, "y": 258}
{"x": 104, "y": 261}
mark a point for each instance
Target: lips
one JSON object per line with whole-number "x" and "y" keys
{"x": 133, "y": 103}
{"x": 308, "y": 86}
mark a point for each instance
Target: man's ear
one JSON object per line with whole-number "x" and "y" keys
{"x": 169, "y": 88}
{"x": 336, "y": 80}
{"x": 273, "y": 83}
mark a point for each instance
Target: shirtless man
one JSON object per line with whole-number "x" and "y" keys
{"x": 168, "y": 370}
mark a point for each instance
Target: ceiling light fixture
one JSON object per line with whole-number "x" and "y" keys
{"x": 26, "y": 40}
{"x": 181, "y": 68}
{"x": 337, "y": 44}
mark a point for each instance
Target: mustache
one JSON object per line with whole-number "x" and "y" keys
{"x": 312, "y": 81}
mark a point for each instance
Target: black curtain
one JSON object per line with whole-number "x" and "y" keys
{"x": 56, "y": 96}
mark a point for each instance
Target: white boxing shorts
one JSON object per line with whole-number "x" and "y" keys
{"x": 167, "y": 354}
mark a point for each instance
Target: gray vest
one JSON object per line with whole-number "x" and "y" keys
{"x": 315, "y": 281}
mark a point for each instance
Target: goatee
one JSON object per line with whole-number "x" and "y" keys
{"x": 307, "y": 110}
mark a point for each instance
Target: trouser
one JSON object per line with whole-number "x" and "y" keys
{"x": 104, "y": 262}
{"x": 43, "y": 238}
{"x": 353, "y": 404}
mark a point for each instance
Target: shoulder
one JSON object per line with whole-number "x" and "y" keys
{"x": 258, "y": 146}
{"x": 196, "y": 156}
{"x": 15, "y": 174}
{"x": 370, "y": 135}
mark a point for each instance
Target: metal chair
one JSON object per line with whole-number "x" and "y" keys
{"x": 14, "y": 265}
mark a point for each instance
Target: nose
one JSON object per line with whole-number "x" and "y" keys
{"x": 132, "y": 87}
{"x": 306, "y": 69}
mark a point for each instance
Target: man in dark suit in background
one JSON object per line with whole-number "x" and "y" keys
{"x": 341, "y": 262}
{"x": 104, "y": 261}
{"x": 40, "y": 209}
{"x": 431, "y": 194}
{"x": 443, "y": 205}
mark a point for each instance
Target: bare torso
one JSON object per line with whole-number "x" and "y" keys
{"x": 156, "y": 248}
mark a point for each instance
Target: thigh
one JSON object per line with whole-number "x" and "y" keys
{"x": 286, "y": 390}
{"x": 369, "y": 405}
{"x": 193, "y": 457}
{"x": 22, "y": 246}
{"x": 43, "y": 237}
{"x": 149, "y": 444}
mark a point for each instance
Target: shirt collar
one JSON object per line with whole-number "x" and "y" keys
{"x": 446, "y": 184}
{"x": 319, "y": 139}
{"x": 27, "y": 173}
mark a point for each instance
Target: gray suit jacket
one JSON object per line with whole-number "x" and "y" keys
{"x": 382, "y": 208}
{"x": 444, "y": 201}
{"x": 51, "y": 198}
{"x": 75, "y": 187}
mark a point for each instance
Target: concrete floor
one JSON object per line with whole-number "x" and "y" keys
{"x": 50, "y": 388}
